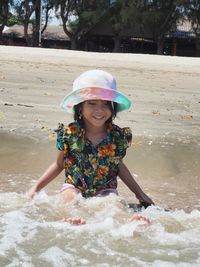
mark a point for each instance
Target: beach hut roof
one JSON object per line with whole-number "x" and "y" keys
{"x": 52, "y": 32}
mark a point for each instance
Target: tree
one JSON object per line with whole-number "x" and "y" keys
{"x": 4, "y": 14}
{"x": 65, "y": 7}
{"x": 25, "y": 11}
{"x": 193, "y": 13}
{"x": 79, "y": 17}
{"x": 161, "y": 17}
{"x": 124, "y": 17}
{"x": 36, "y": 25}
{"x": 29, "y": 13}
{"x": 47, "y": 6}
{"x": 118, "y": 18}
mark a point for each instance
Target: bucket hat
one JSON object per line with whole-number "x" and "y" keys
{"x": 95, "y": 85}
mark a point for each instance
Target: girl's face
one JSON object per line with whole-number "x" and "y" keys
{"x": 95, "y": 113}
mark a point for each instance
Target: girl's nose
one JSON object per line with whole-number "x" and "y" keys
{"x": 99, "y": 108}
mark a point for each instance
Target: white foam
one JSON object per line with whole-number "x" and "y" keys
{"x": 173, "y": 235}
{"x": 58, "y": 257}
{"x": 159, "y": 263}
{"x": 15, "y": 225}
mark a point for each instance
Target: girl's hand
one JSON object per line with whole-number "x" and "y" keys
{"x": 145, "y": 200}
{"x": 31, "y": 193}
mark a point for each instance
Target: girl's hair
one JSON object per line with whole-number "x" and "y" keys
{"x": 79, "y": 118}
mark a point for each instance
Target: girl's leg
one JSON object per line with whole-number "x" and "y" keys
{"x": 75, "y": 220}
{"x": 139, "y": 217}
{"x": 68, "y": 193}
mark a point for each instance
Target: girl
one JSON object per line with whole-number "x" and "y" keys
{"x": 91, "y": 148}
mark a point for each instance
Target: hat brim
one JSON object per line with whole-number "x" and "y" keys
{"x": 93, "y": 93}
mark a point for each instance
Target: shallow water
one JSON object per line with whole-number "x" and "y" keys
{"x": 32, "y": 233}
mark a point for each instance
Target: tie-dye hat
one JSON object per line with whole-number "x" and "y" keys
{"x": 95, "y": 85}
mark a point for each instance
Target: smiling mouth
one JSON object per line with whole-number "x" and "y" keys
{"x": 98, "y": 117}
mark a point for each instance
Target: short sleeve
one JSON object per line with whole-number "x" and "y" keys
{"x": 60, "y": 132}
{"x": 68, "y": 138}
{"x": 127, "y": 136}
{"x": 123, "y": 139}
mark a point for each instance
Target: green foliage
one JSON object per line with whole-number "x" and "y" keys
{"x": 162, "y": 16}
{"x": 12, "y": 20}
{"x": 86, "y": 14}
{"x": 193, "y": 13}
{"x": 125, "y": 14}
{"x": 5, "y": 12}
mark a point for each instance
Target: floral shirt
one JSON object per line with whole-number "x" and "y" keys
{"x": 92, "y": 168}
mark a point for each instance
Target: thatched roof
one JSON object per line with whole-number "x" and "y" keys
{"x": 52, "y": 32}
{"x": 16, "y": 30}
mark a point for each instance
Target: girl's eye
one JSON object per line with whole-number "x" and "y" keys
{"x": 91, "y": 103}
{"x": 106, "y": 103}
{"x": 94, "y": 103}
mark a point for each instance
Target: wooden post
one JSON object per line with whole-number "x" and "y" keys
{"x": 174, "y": 47}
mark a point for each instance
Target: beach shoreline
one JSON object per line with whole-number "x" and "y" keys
{"x": 165, "y": 90}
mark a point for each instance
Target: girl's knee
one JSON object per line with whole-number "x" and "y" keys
{"x": 69, "y": 194}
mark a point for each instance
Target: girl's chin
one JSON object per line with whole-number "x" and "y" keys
{"x": 98, "y": 123}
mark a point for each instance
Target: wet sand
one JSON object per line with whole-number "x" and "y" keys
{"x": 167, "y": 169}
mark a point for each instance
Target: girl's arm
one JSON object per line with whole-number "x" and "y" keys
{"x": 128, "y": 179}
{"x": 51, "y": 173}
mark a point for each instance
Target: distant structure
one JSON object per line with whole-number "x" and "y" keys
{"x": 100, "y": 39}
{"x": 53, "y": 37}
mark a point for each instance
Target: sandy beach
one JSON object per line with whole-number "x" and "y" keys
{"x": 165, "y": 91}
